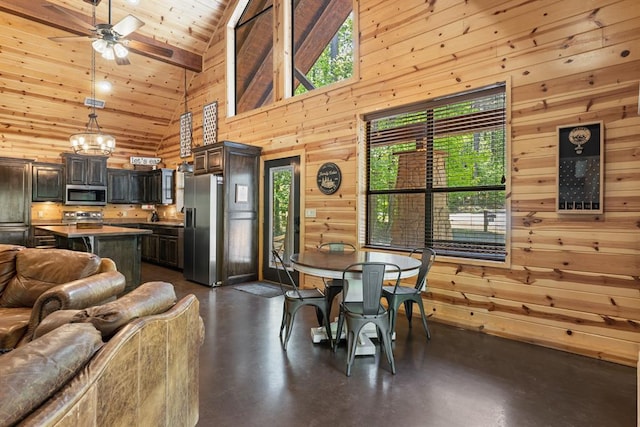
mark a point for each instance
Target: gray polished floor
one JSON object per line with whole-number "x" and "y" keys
{"x": 459, "y": 378}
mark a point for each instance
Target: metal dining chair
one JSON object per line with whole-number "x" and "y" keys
{"x": 359, "y": 313}
{"x": 332, "y": 287}
{"x": 407, "y": 295}
{"x": 294, "y": 299}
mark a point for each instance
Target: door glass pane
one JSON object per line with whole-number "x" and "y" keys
{"x": 281, "y": 234}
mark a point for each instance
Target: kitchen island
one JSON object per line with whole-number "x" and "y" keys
{"x": 121, "y": 244}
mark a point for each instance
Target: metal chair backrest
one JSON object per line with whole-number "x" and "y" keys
{"x": 372, "y": 277}
{"x": 337, "y": 247}
{"x": 428, "y": 257}
{"x": 277, "y": 259}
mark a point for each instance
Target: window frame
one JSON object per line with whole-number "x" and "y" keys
{"x": 429, "y": 191}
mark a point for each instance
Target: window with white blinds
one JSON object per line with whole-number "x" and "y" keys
{"x": 436, "y": 175}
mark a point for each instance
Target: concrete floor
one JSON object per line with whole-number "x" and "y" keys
{"x": 459, "y": 378}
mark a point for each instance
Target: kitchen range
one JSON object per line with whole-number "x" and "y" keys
{"x": 83, "y": 219}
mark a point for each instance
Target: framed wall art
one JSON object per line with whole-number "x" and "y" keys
{"x": 185, "y": 135}
{"x": 580, "y": 168}
{"x": 210, "y": 123}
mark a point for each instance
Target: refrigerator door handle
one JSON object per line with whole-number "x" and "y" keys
{"x": 188, "y": 218}
{"x": 193, "y": 217}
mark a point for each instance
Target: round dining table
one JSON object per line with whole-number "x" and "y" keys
{"x": 331, "y": 265}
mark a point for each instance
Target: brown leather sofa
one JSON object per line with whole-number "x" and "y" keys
{"x": 36, "y": 282}
{"x": 145, "y": 373}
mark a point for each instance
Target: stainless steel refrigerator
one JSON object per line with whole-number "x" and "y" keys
{"x": 203, "y": 222}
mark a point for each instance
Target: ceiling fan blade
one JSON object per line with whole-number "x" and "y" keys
{"x": 127, "y": 25}
{"x": 70, "y": 38}
{"x": 144, "y": 47}
{"x": 122, "y": 61}
{"x": 68, "y": 15}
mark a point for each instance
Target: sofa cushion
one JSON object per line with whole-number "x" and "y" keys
{"x": 7, "y": 263}
{"x": 32, "y": 373}
{"x": 13, "y": 324}
{"x": 40, "y": 269}
{"x": 147, "y": 299}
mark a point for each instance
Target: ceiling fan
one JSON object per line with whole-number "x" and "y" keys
{"x": 109, "y": 39}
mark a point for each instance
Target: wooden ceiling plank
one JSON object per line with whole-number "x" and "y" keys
{"x": 39, "y": 12}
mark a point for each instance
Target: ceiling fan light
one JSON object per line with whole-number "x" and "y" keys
{"x": 108, "y": 54}
{"x": 120, "y": 50}
{"x": 99, "y": 45}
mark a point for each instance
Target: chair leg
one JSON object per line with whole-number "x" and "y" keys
{"x": 338, "y": 330}
{"x": 330, "y": 293}
{"x": 424, "y": 317}
{"x": 393, "y": 314}
{"x": 352, "y": 344}
{"x": 408, "y": 310}
{"x": 386, "y": 341}
{"x": 290, "y": 316}
{"x": 319, "y": 316}
{"x": 284, "y": 320}
{"x": 326, "y": 324}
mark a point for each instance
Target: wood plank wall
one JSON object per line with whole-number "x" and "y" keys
{"x": 573, "y": 281}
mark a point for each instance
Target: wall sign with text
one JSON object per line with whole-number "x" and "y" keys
{"x": 329, "y": 178}
{"x": 147, "y": 161}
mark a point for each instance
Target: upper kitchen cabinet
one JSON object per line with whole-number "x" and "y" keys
{"x": 159, "y": 188}
{"x": 47, "y": 182}
{"x": 86, "y": 170}
{"x": 209, "y": 158}
{"x": 133, "y": 187}
{"x": 118, "y": 186}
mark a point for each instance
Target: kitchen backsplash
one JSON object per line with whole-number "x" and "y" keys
{"x": 48, "y": 211}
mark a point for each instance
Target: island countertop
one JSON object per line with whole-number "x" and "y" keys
{"x": 72, "y": 231}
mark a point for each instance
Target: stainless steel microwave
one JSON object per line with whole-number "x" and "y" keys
{"x": 85, "y": 195}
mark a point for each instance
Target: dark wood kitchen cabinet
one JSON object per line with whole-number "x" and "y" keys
{"x": 137, "y": 184}
{"x": 237, "y": 243}
{"x": 164, "y": 246}
{"x": 168, "y": 250}
{"x": 47, "y": 182}
{"x": 150, "y": 248}
{"x": 85, "y": 170}
{"x": 137, "y": 187}
{"x": 208, "y": 159}
{"x": 118, "y": 186}
{"x": 160, "y": 186}
{"x": 15, "y": 209}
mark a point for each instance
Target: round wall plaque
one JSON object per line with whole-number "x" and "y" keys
{"x": 329, "y": 178}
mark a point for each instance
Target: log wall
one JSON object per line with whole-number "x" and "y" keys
{"x": 572, "y": 282}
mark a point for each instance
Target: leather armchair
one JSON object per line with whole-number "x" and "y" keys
{"x": 37, "y": 282}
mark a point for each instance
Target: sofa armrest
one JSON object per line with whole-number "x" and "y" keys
{"x": 79, "y": 294}
{"x": 31, "y": 374}
{"x": 106, "y": 264}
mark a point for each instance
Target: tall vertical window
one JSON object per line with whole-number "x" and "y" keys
{"x": 436, "y": 175}
{"x": 254, "y": 56}
{"x": 322, "y": 43}
{"x": 310, "y": 46}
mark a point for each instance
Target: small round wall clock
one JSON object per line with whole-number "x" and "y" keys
{"x": 329, "y": 178}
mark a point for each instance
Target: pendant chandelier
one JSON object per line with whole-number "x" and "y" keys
{"x": 93, "y": 140}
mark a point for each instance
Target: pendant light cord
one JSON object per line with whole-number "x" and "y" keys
{"x": 93, "y": 78}
{"x": 186, "y": 109}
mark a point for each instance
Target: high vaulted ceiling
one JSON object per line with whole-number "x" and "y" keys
{"x": 43, "y": 83}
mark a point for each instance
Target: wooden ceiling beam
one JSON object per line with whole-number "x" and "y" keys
{"x": 39, "y": 11}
